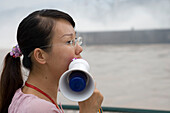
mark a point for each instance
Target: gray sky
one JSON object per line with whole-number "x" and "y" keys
{"x": 89, "y": 15}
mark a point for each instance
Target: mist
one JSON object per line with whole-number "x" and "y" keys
{"x": 124, "y": 15}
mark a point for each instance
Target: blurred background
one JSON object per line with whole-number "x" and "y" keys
{"x": 126, "y": 42}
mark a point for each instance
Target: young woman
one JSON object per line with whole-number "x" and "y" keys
{"x": 48, "y": 42}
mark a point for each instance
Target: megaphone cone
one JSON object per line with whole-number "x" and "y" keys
{"x": 77, "y": 84}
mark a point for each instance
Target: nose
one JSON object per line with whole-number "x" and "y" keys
{"x": 78, "y": 50}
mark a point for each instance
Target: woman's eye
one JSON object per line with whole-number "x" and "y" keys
{"x": 69, "y": 42}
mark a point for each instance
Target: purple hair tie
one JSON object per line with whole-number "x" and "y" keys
{"x": 16, "y": 52}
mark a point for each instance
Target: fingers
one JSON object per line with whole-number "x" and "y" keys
{"x": 99, "y": 97}
{"x": 93, "y": 104}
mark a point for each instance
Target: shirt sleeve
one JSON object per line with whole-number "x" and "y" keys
{"x": 41, "y": 106}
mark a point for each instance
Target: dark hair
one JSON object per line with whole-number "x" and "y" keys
{"x": 34, "y": 31}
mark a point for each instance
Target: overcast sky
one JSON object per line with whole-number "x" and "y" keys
{"x": 89, "y": 15}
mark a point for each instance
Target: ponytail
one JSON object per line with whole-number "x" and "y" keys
{"x": 11, "y": 80}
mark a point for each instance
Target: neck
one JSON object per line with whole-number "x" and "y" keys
{"x": 45, "y": 82}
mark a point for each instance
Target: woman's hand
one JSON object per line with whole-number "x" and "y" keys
{"x": 93, "y": 104}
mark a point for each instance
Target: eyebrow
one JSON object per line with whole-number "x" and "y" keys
{"x": 71, "y": 34}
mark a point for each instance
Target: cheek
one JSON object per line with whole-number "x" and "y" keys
{"x": 66, "y": 57}
{"x": 63, "y": 58}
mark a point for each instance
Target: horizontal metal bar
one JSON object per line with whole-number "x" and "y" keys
{"x": 70, "y": 107}
{"x": 133, "y": 110}
{"x": 116, "y": 109}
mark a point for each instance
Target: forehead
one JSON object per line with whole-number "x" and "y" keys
{"x": 61, "y": 28}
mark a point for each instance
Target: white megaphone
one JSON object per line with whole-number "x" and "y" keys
{"x": 77, "y": 84}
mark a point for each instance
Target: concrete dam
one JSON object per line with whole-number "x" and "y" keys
{"x": 126, "y": 37}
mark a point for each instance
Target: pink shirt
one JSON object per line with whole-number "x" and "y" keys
{"x": 28, "y": 103}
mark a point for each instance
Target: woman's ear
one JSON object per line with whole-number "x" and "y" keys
{"x": 40, "y": 55}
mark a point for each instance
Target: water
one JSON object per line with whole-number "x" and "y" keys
{"x": 136, "y": 76}
{"x": 131, "y": 76}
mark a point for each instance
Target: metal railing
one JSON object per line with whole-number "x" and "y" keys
{"x": 118, "y": 110}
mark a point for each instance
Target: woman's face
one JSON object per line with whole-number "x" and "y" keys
{"x": 62, "y": 52}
